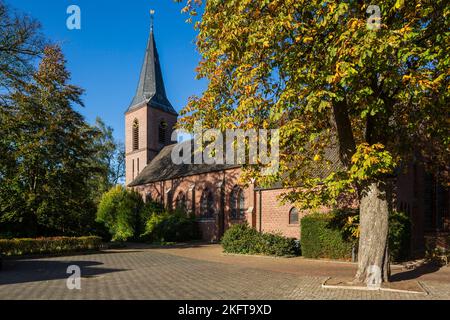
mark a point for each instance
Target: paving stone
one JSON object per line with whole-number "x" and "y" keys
{"x": 152, "y": 274}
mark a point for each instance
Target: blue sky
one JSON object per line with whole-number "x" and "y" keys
{"x": 105, "y": 56}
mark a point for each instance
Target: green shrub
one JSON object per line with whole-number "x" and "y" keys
{"x": 18, "y": 247}
{"x": 241, "y": 238}
{"x": 167, "y": 226}
{"x": 278, "y": 245}
{"x": 120, "y": 211}
{"x": 126, "y": 216}
{"x": 150, "y": 209}
{"x": 320, "y": 240}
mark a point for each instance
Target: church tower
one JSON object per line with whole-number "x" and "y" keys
{"x": 150, "y": 118}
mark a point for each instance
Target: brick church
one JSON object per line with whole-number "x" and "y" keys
{"x": 213, "y": 193}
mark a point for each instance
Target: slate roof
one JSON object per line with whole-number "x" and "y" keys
{"x": 162, "y": 168}
{"x": 151, "y": 88}
{"x": 321, "y": 169}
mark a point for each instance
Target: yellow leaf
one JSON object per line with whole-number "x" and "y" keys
{"x": 399, "y": 4}
{"x": 354, "y": 24}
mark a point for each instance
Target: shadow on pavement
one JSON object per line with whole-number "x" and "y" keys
{"x": 23, "y": 271}
{"x": 184, "y": 245}
{"x": 416, "y": 273}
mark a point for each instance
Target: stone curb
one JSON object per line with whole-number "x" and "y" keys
{"x": 363, "y": 288}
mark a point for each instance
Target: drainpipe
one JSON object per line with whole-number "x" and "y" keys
{"x": 260, "y": 210}
{"x": 354, "y": 254}
{"x": 222, "y": 206}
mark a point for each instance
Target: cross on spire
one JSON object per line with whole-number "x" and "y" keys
{"x": 152, "y": 18}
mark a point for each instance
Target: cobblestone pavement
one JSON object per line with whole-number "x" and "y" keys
{"x": 158, "y": 274}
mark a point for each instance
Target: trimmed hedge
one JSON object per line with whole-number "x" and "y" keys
{"x": 319, "y": 240}
{"x": 328, "y": 235}
{"x": 18, "y": 247}
{"x": 399, "y": 236}
{"x": 241, "y": 238}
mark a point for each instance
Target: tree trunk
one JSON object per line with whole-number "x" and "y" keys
{"x": 373, "y": 254}
{"x": 341, "y": 121}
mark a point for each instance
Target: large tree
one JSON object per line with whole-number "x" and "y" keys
{"x": 54, "y": 166}
{"x": 110, "y": 156}
{"x": 44, "y": 186}
{"x": 20, "y": 44}
{"x": 328, "y": 79}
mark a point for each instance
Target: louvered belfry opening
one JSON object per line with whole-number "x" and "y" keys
{"x": 162, "y": 132}
{"x": 135, "y": 135}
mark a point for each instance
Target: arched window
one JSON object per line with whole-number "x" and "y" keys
{"x": 237, "y": 203}
{"x": 148, "y": 197}
{"x": 162, "y": 130}
{"x": 293, "y": 216}
{"x": 169, "y": 199}
{"x": 180, "y": 202}
{"x": 207, "y": 204}
{"x": 135, "y": 135}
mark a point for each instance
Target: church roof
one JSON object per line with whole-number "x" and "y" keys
{"x": 162, "y": 168}
{"x": 151, "y": 88}
{"x": 321, "y": 169}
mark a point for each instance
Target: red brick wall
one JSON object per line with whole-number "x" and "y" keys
{"x": 155, "y": 117}
{"x": 419, "y": 202}
{"x": 275, "y": 216}
{"x": 409, "y": 189}
{"x": 193, "y": 187}
{"x": 149, "y": 119}
{"x": 132, "y": 156}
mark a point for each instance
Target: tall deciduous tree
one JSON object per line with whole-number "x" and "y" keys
{"x": 53, "y": 165}
{"x": 44, "y": 189}
{"x": 319, "y": 72}
{"x": 20, "y": 43}
{"x": 110, "y": 156}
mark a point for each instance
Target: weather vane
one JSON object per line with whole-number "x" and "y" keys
{"x": 152, "y": 13}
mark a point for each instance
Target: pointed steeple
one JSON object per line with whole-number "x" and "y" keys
{"x": 151, "y": 85}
